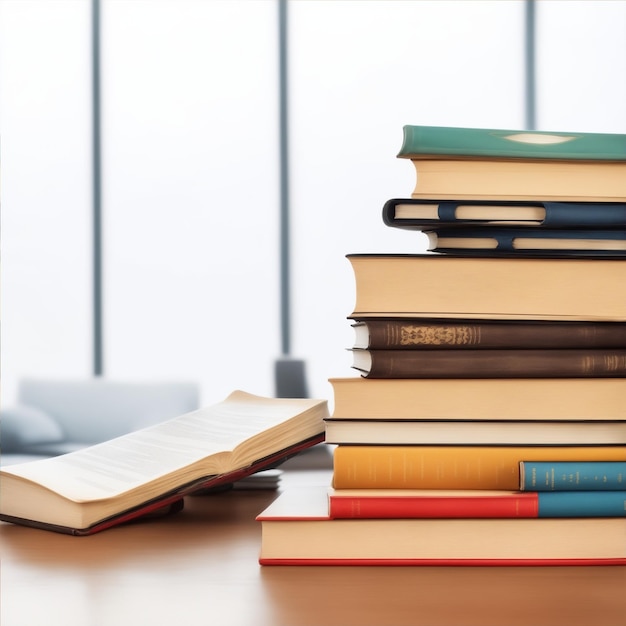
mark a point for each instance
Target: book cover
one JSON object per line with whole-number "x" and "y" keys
{"x": 417, "y": 214}
{"x": 472, "y": 504}
{"x": 296, "y": 529}
{"x": 572, "y": 476}
{"x": 450, "y": 467}
{"x": 441, "y": 334}
{"x": 419, "y": 141}
{"x": 487, "y": 363}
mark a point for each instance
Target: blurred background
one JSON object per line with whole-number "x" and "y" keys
{"x": 190, "y": 177}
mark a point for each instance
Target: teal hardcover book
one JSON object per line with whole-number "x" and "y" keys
{"x": 582, "y": 504}
{"x": 454, "y": 142}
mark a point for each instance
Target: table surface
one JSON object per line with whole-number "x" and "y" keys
{"x": 200, "y": 566}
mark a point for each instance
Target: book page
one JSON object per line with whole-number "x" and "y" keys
{"x": 127, "y": 462}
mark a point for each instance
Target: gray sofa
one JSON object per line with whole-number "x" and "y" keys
{"x": 52, "y": 417}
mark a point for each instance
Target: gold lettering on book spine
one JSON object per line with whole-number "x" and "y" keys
{"x": 412, "y": 335}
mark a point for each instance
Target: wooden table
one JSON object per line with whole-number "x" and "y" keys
{"x": 200, "y": 567}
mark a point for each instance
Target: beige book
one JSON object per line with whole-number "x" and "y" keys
{"x": 486, "y": 287}
{"x": 501, "y": 179}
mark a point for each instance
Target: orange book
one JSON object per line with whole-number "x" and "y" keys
{"x": 451, "y": 467}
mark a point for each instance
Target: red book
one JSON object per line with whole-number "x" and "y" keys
{"x": 298, "y": 530}
{"x": 432, "y": 503}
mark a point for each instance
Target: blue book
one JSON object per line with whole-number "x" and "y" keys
{"x": 572, "y": 476}
{"x": 418, "y": 214}
{"x": 526, "y": 240}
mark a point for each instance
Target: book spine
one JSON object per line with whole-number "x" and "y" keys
{"x": 596, "y": 215}
{"x": 504, "y": 363}
{"x": 450, "y": 467}
{"x": 400, "y": 507}
{"x": 567, "y": 476}
{"x": 526, "y": 505}
{"x": 415, "y": 334}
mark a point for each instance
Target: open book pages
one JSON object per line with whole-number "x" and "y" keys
{"x": 227, "y": 440}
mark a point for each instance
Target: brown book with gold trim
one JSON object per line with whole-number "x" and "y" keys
{"x": 502, "y": 363}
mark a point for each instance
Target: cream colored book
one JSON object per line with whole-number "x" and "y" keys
{"x": 589, "y": 288}
{"x": 527, "y": 399}
{"x": 485, "y": 179}
{"x": 152, "y": 469}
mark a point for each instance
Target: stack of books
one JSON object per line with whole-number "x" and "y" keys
{"x": 488, "y": 423}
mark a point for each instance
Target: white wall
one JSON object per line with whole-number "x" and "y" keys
{"x": 581, "y": 65}
{"x": 190, "y": 168}
{"x": 191, "y": 201}
{"x": 46, "y": 190}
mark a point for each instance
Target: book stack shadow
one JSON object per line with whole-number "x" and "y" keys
{"x": 486, "y": 424}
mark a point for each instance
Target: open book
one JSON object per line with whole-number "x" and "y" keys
{"x": 153, "y": 469}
